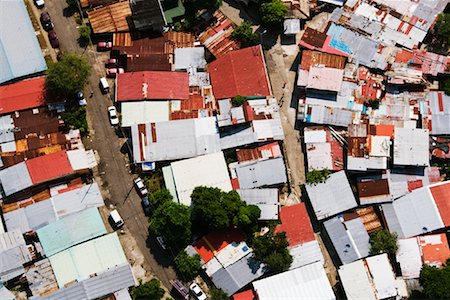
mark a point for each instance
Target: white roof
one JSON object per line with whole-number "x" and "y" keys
{"x": 322, "y": 78}
{"x": 315, "y": 136}
{"x": 307, "y": 282}
{"x": 379, "y": 146}
{"x": 364, "y": 164}
{"x": 265, "y": 199}
{"x": 140, "y": 112}
{"x": 356, "y": 282}
{"x": 382, "y": 275}
{"x": 411, "y": 147}
{"x": 207, "y": 170}
{"x": 83, "y": 260}
{"x": 305, "y": 254}
{"x": 190, "y": 57}
{"x": 409, "y": 257}
{"x": 332, "y": 197}
{"x": 81, "y": 159}
{"x": 319, "y": 156}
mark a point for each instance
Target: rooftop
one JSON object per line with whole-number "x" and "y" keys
{"x": 18, "y": 57}
{"x": 147, "y": 15}
{"x": 152, "y": 85}
{"x": 265, "y": 199}
{"x": 260, "y": 173}
{"x": 22, "y": 95}
{"x": 241, "y": 72}
{"x": 411, "y": 146}
{"x": 296, "y": 223}
{"x": 140, "y": 112}
{"x": 211, "y": 244}
{"x": 326, "y": 79}
{"x": 110, "y": 18}
{"x": 186, "y": 58}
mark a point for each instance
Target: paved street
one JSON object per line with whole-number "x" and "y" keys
{"x": 113, "y": 173}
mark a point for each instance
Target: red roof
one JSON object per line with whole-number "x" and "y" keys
{"x": 213, "y": 242}
{"x": 435, "y": 249}
{"x": 22, "y": 95}
{"x": 245, "y": 295}
{"x": 441, "y": 196}
{"x": 240, "y": 72}
{"x": 295, "y": 222}
{"x": 48, "y": 167}
{"x": 156, "y": 85}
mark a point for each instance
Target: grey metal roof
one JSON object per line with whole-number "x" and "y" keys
{"x": 15, "y": 178}
{"x": 6, "y": 294}
{"x": 18, "y": 56}
{"x": 238, "y": 138}
{"x": 413, "y": 214}
{"x": 351, "y": 244}
{"x": 265, "y": 199}
{"x": 238, "y": 275}
{"x": 105, "y": 283}
{"x": 13, "y": 254}
{"x": 332, "y": 197}
{"x": 190, "y": 57}
{"x": 305, "y": 254}
{"x": 260, "y": 173}
{"x": 6, "y": 129}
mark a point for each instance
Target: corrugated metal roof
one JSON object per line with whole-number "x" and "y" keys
{"x": 356, "y": 281}
{"x": 102, "y": 284}
{"x": 265, "y": 199}
{"x": 308, "y": 282}
{"x": 295, "y": 222}
{"x": 88, "y": 258}
{"x": 241, "y": 72}
{"x": 186, "y": 58}
{"x": 40, "y": 278}
{"x": 15, "y": 178}
{"x": 411, "y": 146}
{"x": 261, "y": 173}
{"x": 332, "y": 197}
{"x": 6, "y": 294}
{"x": 6, "y": 130}
{"x": 22, "y": 95}
{"x": 313, "y": 58}
{"x": 237, "y": 275}
{"x": 71, "y": 230}
{"x": 110, "y": 18}
{"x": 305, "y": 254}
{"x": 148, "y": 15}
{"x": 409, "y": 257}
{"x": 327, "y": 79}
{"x": 175, "y": 139}
{"x": 140, "y": 112}
{"x": 18, "y": 57}
{"x": 13, "y": 254}
{"x": 48, "y": 167}
{"x": 382, "y": 275}
{"x": 206, "y": 170}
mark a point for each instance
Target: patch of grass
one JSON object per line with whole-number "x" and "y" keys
{"x": 154, "y": 181}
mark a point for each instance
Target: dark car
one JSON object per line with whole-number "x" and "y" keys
{"x": 81, "y": 99}
{"x": 53, "y": 39}
{"x": 46, "y": 21}
{"x": 146, "y": 206}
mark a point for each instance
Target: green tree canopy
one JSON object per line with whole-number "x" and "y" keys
{"x": 212, "y": 209}
{"x": 441, "y": 34}
{"x": 76, "y": 119}
{"x": 245, "y": 35}
{"x": 446, "y": 86}
{"x": 271, "y": 249}
{"x": 188, "y": 266}
{"x": 435, "y": 282}
{"x": 171, "y": 221}
{"x": 382, "y": 241}
{"x": 218, "y": 294}
{"x": 159, "y": 197}
{"x": 67, "y": 77}
{"x": 85, "y": 33}
{"x": 149, "y": 290}
{"x": 72, "y": 3}
{"x": 238, "y": 100}
{"x": 317, "y": 176}
{"x": 203, "y": 4}
{"x": 273, "y": 13}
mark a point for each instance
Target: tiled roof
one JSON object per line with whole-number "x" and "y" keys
{"x": 441, "y": 196}
{"x": 295, "y": 222}
{"x": 241, "y": 72}
{"x": 156, "y": 85}
{"x": 22, "y": 95}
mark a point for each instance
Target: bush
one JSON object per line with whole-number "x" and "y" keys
{"x": 218, "y": 294}
{"x": 72, "y": 3}
{"x": 435, "y": 282}
{"x": 149, "y": 290}
{"x": 316, "y": 176}
{"x": 273, "y": 13}
{"x": 85, "y": 34}
{"x": 271, "y": 249}
{"x": 446, "y": 86}
{"x": 382, "y": 241}
{"x": 238, "y": 100}
{"x": 441, "y": 34}
{"x": 76, "y": 119}
{"x": 187, "y": 266}
{"x": 245, "y": 35}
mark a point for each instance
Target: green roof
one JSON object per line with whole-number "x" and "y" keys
{"x": 175, "y": 12}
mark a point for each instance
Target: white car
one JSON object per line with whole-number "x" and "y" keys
{"x": 140, "y": 186}
{"x": 113, "y": 115}
{"x": 39, "y": 3}
{"x": 197, "y": 291}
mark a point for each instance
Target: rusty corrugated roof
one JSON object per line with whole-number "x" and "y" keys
{"x": 111, "y": 18}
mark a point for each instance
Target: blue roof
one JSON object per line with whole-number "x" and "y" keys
{"x": 71, "y": 230}
{"x": 20, "y": 53}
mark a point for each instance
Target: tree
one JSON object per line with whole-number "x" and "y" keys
{"x": 271, "y": 249}
{"x": 382, "y": 241}
{"x": 317, "y": 176}
{"x": 76, "y": 119}
{"x": 188, "y": 266}
{"x": 159, "y": 197}
{"x": 85, "y": 34}
{"x": 435, "y": 282}
{"x": 244, "y": 34}
{"x": 446, "y": 86}
{"x": 171, "y": 221}
{"x": 212, "y": 209}
{"x": 203, "y": 4}
{"x": 441, "y": 34}
{"x": 72, "y": 3}
{"x": 238, "y": 100}
{"x": 149, "y": 290}
{"x": 67, "y": 77}
{"x": 218, "y": 294}
{"x": 273, "y": 13}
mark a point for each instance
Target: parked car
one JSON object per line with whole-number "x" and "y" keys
{"x": 161, "y": 242}
{"x": 146, "y": 206}
{"x": 113, "y": 119}
{"x": 103, "y": 85}
{"x": 116, "y": 219}
{"x": 112, "y": 72}
{"x": 104, "y": 46}
{"x": 140, "y": 186}
{"x": 184, "y": 292}
{"x": 53, "y": 38}
{"x": 197, "y": 291}
{"x": 111, "y": 63}
{"x": 39, "y": 3}
{"x": 46, "y": 22}
{"x": 81, "y": 99}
